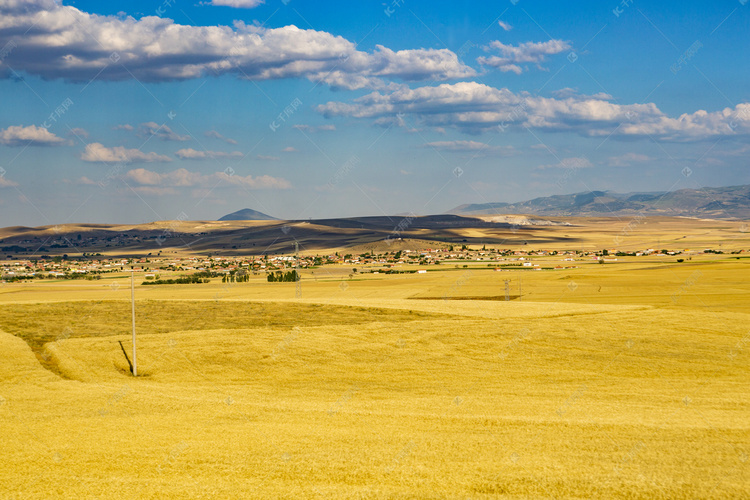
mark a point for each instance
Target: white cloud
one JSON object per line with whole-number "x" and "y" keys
{"x": 79, "y": 132}
{"x": 417, "y": 64}
{"x": 192, "y": 154}
{"x": 457, "y": 145}
{"x": 163, "y": 132}
{"x": 96, "y": 152}
{"x": 505, "y": 26}
{"x": 19, "y": 135}
{"x": 185, "y": 178}
{"x": 441, "y": 102}
{"x": 238, "y": 4}
{"x": 469, "y": 147}
{"x": 567, "y": 92}
{"x": 698, "y": 125}
{"x": 124, "y": 126}
{"x": 7, "y": 183}
{"x": 320, "y": 128}
{"x": 475, "y": 107}
{"x": 85, "y": 181}
{"x": 267, "y": 158}
{"x": 214, "y": 134}
{"x": 628, "y": 159}
{"x": 571, "y": 163}
{"x": 68, "y": 43}
{"x": 530, "y": 52}
{"x": 179, "y": 178}
{"x": 289, "y": 149}
{"x": 153, "y": 191}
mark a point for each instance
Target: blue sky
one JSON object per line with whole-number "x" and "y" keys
{"x": 128, "y": 112}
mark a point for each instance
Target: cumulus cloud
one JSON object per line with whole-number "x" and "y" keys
{"x": 19, "y": 135}
{"x": 215, "y": 135}
{"x": 442, "y": 102}
{"x": 98, "y": 153}
{"x": 697, "y": 125}
{"x": 185, "y": 178}
{"x": 61, "y": 41}
{"x": 238, "y": 4}
{"x": 530, "y": 52}
{"x": 163, "y": 132}
{"x": 289, "y": 149}
{"x": 505, "y": 26}
{"x": 475, "y": 107}
{"x": 192, "y": 154}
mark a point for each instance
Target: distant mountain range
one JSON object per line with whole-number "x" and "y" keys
{"x": 247, "y": 214}
{"x": 708, "y": 203}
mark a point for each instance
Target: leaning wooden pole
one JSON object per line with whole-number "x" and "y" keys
{"x": 132, "y": 304}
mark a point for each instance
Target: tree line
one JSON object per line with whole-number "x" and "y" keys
{"x": 281, "y": 276}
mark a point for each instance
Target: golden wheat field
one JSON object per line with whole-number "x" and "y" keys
{"x": 624, "y": 380}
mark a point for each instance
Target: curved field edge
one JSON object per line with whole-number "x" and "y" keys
{"x": 586, "y": 406}
{"x": 51, "y": 323}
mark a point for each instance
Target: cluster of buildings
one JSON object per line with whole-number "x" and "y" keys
{"x": 90, "y": 266}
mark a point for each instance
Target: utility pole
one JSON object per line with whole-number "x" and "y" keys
{"x": 507, "y": 290}
{"x": 298, "y": 284}
{"x": 132, "y": 303}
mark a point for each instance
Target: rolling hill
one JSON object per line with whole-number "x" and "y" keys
{"x": 709, "y": 203}
{"x": 563, "y": 221}
{"x": 264, "y": 236}
{"x": 247, "y": 214}
{"x": 359, "y": 234}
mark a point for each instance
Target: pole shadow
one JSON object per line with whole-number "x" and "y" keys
{"x": 126, "y": 356}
